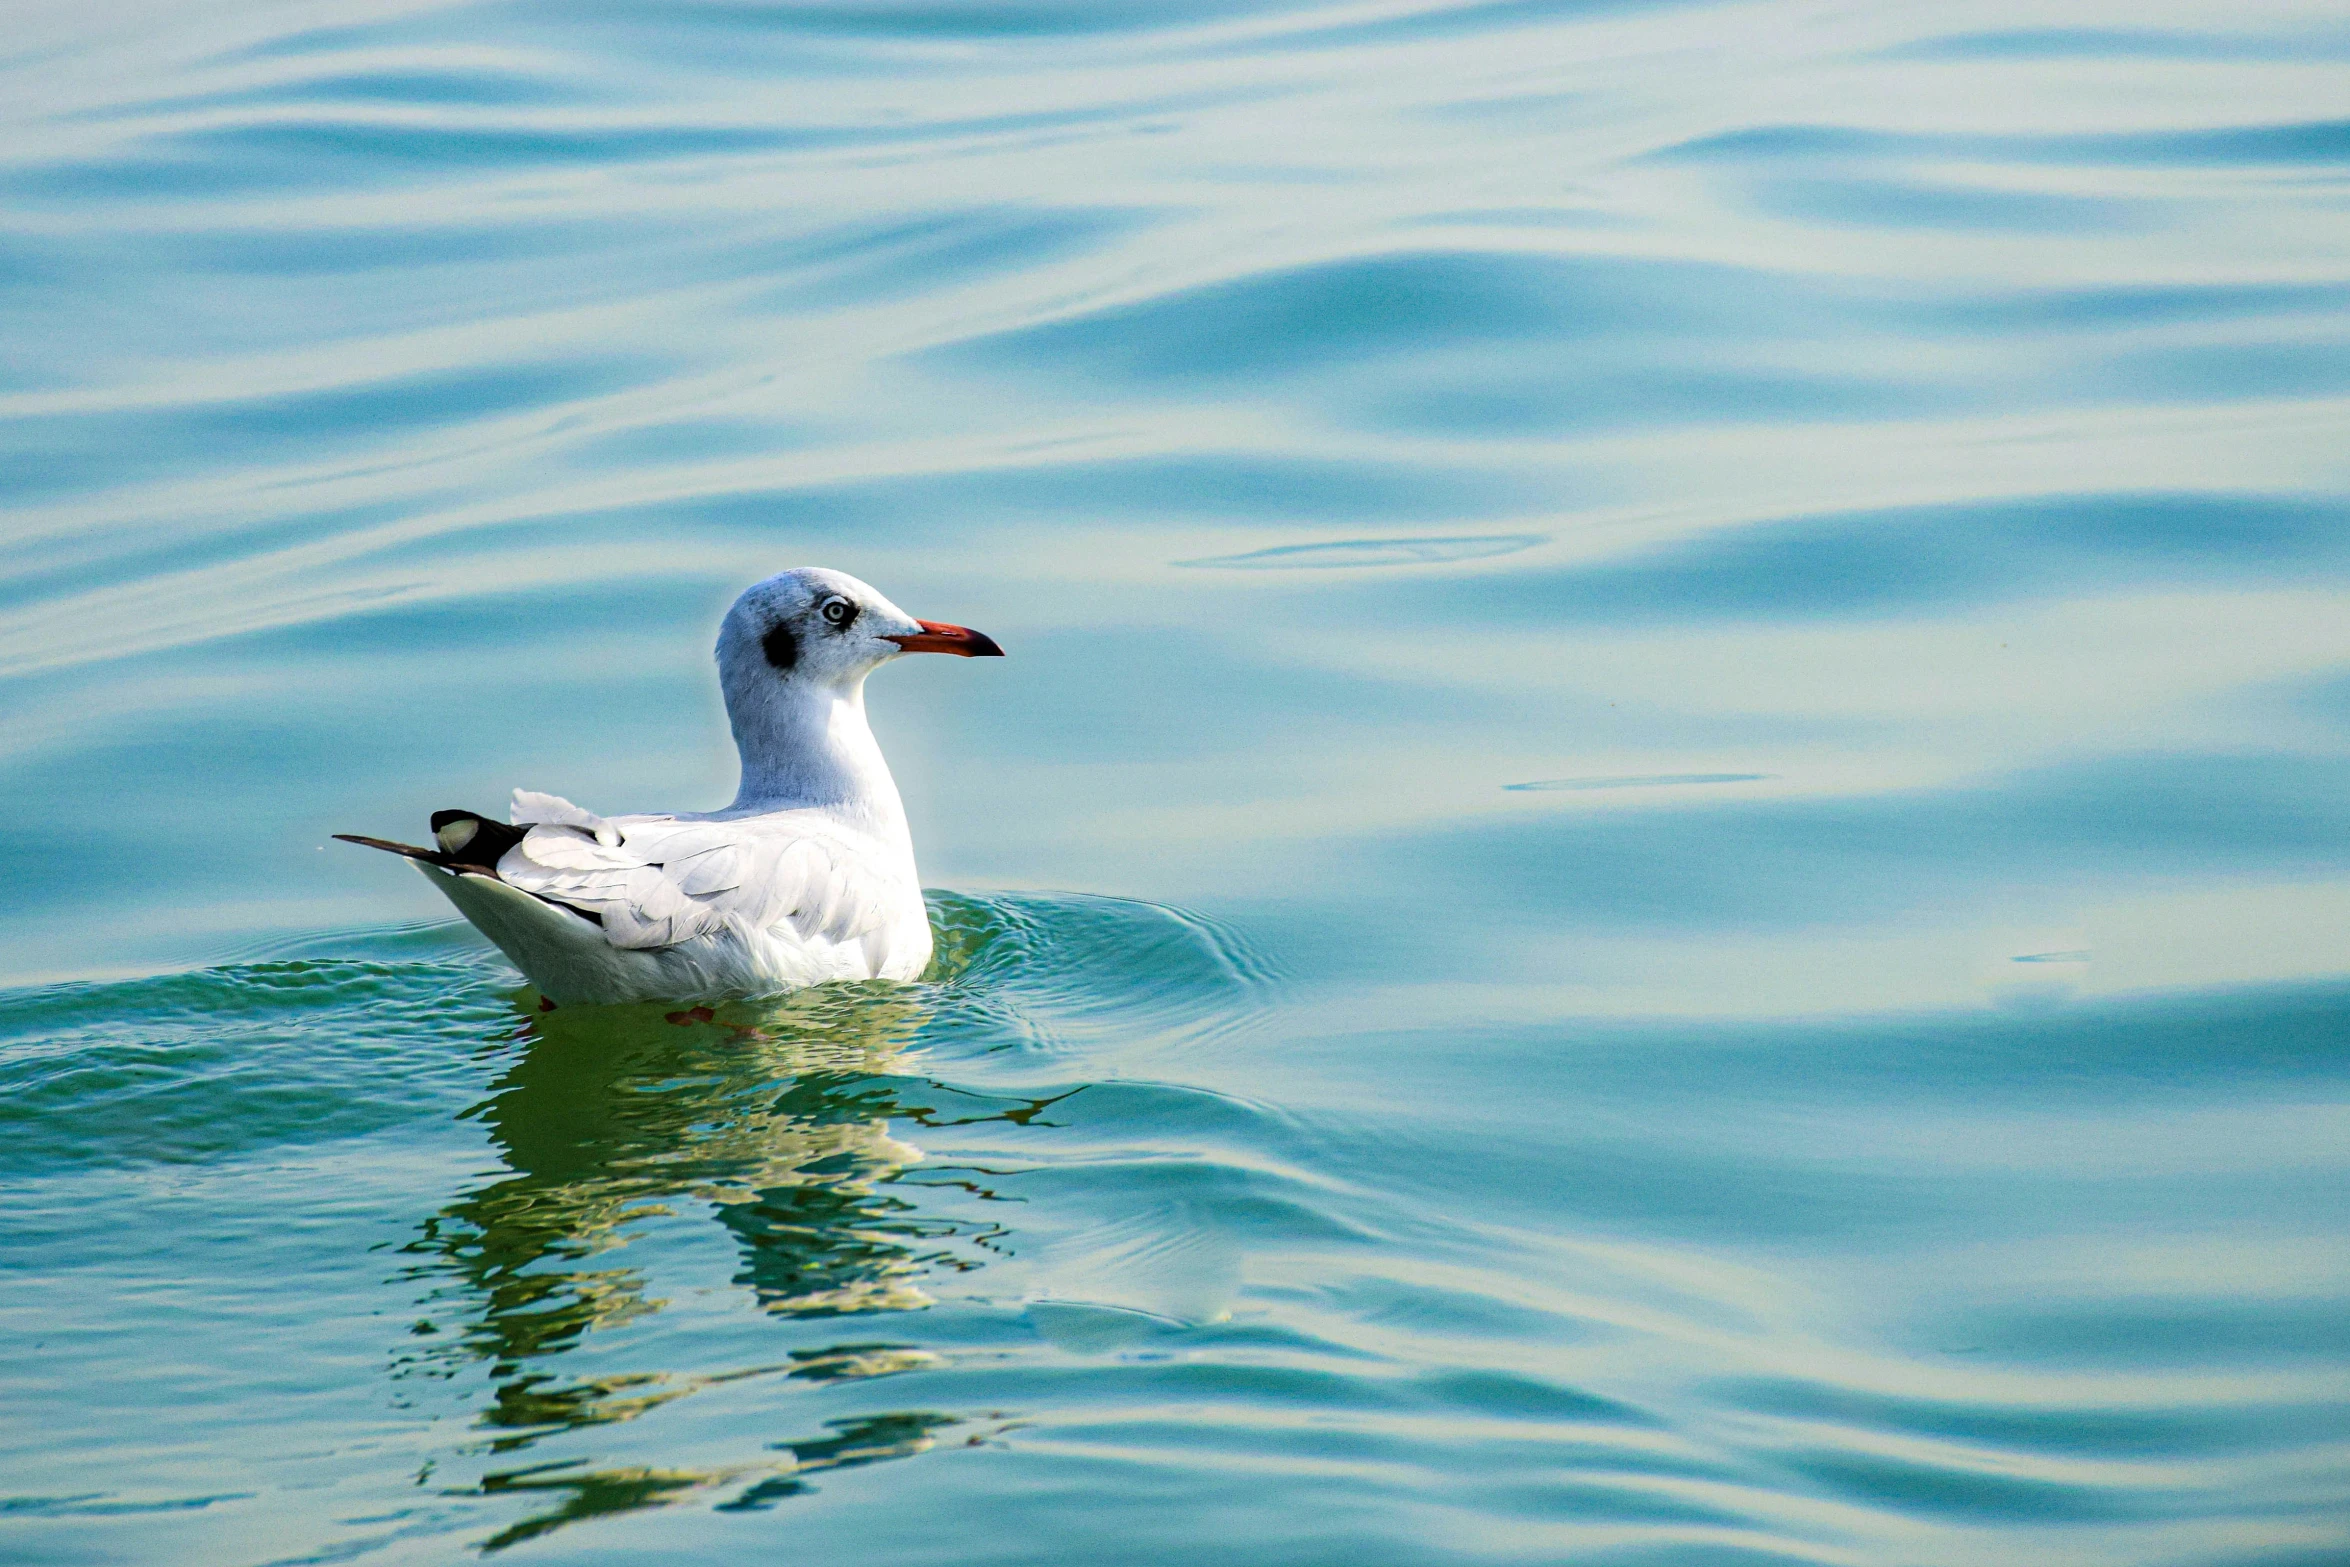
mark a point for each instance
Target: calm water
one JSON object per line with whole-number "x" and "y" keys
{"x": 1662, "y": 875}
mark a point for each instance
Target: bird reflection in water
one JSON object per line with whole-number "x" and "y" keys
{"x": 775, "y": 1118}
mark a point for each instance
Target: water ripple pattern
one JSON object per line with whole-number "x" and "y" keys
{"x": 1670, "y": 825}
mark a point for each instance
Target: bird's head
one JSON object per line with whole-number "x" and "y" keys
{"x": 814, "y": 628}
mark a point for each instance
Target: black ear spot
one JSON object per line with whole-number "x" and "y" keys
{"x": 781, "y": 647}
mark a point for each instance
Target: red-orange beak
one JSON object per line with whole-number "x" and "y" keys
{"x": 936, "y": 636}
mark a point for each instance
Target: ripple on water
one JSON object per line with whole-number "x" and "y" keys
{"x": 1035, "y": 963}
{"x": 224, "y": 1062}
{"x": 1635, "y": 781}
{"x": 1373, "y": 552}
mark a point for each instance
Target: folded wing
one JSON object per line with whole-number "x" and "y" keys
{"x": 657, "y": 881}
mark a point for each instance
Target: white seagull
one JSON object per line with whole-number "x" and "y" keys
{"x": 808, "y": 876}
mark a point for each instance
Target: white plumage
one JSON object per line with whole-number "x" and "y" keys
{"x": 807, "y": 877}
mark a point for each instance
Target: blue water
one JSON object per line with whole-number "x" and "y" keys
{"x": 1662, "y": 875}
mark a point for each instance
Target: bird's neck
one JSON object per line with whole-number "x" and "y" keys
{"x": 808, "y": 745}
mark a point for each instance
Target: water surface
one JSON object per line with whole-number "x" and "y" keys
{"x": 1662, "y": 874}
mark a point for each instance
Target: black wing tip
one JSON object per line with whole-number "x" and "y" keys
{"x": 470, "y": 838}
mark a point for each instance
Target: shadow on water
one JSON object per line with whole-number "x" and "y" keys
{"x": 779, "y": 1120}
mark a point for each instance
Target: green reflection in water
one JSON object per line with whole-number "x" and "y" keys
{"x": 775, "y": 1118}
{"x": 601, "y": 1493}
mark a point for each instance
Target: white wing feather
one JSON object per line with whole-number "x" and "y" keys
{"x": 657, "y": 881}
{"x": 531, "y": 808}
{"x": 712, "y": 870}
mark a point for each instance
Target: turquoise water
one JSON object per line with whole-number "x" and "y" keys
{"x": 1662, "y": 875}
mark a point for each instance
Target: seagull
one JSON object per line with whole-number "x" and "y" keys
{"x": 807, "y": 877}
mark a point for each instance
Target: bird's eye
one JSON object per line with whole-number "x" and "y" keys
{"x": 837, "y": 612}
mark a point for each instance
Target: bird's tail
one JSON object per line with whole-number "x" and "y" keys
{"x": 467, "y": 841}
{"x": 429, "y": 856}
